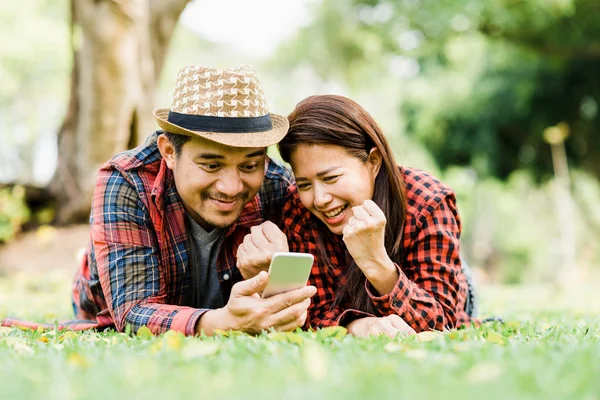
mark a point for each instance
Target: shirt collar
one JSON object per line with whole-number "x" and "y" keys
{"x": 162, "y": 182}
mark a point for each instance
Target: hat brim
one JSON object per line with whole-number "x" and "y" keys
{"x": 234, "y": 139}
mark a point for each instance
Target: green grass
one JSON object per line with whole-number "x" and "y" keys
{"x": 548, "y": 349}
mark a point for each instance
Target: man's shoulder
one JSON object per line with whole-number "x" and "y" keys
{"x": 422, "y": 189}
{"x": 138, "y": 157}
{"x": 135, "y": 170}
{"x": 274, "y": 189}
{"x": 276, "y": 170}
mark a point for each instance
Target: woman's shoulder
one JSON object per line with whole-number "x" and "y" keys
{"x": 423, "y": 190}
{"x": 295, "y": 216}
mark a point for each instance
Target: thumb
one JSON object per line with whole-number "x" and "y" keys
{"x": 251, "y": 286}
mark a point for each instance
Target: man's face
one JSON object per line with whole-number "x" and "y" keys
{"x": 214, "y": 181}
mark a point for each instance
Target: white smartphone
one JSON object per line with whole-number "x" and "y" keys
{"x": 288, "y": 271}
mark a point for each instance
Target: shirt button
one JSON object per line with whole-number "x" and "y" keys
{"x": 226, "y": 277}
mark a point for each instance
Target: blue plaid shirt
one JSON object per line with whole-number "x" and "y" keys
{"x": 137, "y": 268}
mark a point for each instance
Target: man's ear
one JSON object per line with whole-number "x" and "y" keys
{"x": 374, "y": 161}
{"x": 167, "y": 150}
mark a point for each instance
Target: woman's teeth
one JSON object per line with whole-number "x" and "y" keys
{"x": 336, "y": 212}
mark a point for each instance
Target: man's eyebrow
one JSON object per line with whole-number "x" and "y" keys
{"x": 210, "y": 156}
{"x": 260, "y": 152}
{"x": 319, "y": 174}
{"x": 217, "y": 156}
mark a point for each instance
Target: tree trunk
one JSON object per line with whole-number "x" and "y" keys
{"x": 119, "y": 49}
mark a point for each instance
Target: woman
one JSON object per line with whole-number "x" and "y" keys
{"x": 386, "y": 238}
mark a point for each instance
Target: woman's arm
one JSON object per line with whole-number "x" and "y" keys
{"x": 429, "y": 292}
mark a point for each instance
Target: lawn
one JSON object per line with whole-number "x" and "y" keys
{"x": 548, "y": 348}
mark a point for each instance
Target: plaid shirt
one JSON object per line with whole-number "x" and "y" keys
{"x": 137, "y": 268}
{"x": 431, "y": 289}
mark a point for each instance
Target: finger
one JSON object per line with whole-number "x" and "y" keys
{"x": 285, "y": 300}
{"x": 356, "y": 224}
{"x": 258, "y": 238}
{"x": 290, "y": 315}
{"x": 240, "y": 252}
{"x": 386, "y": 328}
{"x": 347, "y": 231}
{"x": 291, "y": 326}
{"x": 373, "y": 209}
{"x": 272, "y": 232}
{"x": 400, "y": 324}
{"x": 249, "y": 245}
{"x": 251, "y": 286}
{"x": 374, "y": 330}
{"x": 360, "y": 213}
{"x": 241, "y": 256}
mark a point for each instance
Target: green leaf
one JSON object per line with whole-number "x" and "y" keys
{"x": 144, "y": 333}
{"x": 335, "y": 332}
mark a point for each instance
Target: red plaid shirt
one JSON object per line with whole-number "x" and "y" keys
{"x": 137, "y": 269}
{"x": 431, "y": 290}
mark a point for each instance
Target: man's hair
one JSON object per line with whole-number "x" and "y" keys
{"x": 177, "y": 141}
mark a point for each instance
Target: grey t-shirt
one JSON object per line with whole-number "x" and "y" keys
{"x": 204, "y": 249}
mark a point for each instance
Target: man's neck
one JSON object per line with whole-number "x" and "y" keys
{"x": 199, "y": 220}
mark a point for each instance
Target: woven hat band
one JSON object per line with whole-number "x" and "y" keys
{"x": 206, "y": 123}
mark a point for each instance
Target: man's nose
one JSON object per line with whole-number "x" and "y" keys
{"x": 230, "y": 184}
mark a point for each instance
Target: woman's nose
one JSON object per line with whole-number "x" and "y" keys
{"x": 322, "y": 198}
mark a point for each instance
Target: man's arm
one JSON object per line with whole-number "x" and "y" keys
{"x": 126, "y": 250}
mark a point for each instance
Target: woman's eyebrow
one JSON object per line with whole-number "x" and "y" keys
{"x": 328, "y": 170}
{"x": 319, "y": 174}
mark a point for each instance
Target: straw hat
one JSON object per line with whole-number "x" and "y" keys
{"x": 227, "y": 106}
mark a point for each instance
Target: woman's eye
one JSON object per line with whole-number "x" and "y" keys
{"x": 330, "y": 178}
{"x": 304, "y": 186}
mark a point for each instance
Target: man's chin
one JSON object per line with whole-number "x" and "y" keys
{"x": 224, "y": 221}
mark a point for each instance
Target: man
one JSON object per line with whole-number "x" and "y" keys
{"x": 168, "y": 216}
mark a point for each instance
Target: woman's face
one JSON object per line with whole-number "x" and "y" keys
{"x": 331, "y": 182}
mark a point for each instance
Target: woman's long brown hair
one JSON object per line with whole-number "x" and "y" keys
{"x": 339, "y": 121}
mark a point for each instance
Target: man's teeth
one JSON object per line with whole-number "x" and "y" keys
{"x": 335, "y": 212}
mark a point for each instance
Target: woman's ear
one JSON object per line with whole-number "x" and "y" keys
{"x": 374, "y": 161}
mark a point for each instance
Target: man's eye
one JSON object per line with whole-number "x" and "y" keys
{"x": 210, "y": 167}
{"x": 250, "y": 167}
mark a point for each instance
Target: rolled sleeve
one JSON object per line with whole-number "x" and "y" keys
{"x": 425, "y": 294}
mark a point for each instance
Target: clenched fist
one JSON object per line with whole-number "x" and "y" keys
{"x": 364, "y": 236}
{"x": 256, "y": 251}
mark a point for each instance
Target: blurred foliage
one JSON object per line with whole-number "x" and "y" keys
{"x": 13, "y": 212}
{"x": 34, "y": 70}
{"x": 480, "y": 81}
{"x": 510, "y": 229}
